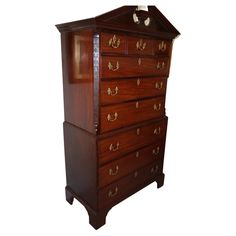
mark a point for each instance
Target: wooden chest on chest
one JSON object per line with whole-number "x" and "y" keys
{"x": 115, "y": 70}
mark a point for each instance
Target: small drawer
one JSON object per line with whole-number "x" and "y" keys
{"x": 121, "y": 115}
{"x": 124, "y": 142}
{"x": 119, "y": 190}
{"x": 116, "y": 91}
{"x": 113, "y": 43}
{"x": 140, "y": 46}
{"x": 129, "y": 163}
{"x": 162, "y": 47}
{"x": 115, "y": 67}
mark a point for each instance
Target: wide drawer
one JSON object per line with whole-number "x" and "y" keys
{"x": 119, "y": 190}
{"x": 121, "y": 115}
{"x": 129, "y": 163}
{"x": 115, "y": 67}
{"x": 115, "y": 91}
{"x": 134, "y": 45}
{"x": 116, "y": 145}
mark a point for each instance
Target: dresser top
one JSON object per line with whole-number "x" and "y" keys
{"x": 127, "y": 19}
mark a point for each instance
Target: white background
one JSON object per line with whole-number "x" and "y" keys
{"x": 199, "y": 195}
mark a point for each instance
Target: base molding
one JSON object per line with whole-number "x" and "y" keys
{"x": 97, "y": 218}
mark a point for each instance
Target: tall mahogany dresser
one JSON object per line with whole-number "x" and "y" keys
{"x": 115, "y": 70}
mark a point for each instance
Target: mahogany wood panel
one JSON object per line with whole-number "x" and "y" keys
{"x": 124, "y": 142}
{"x": 113, "y": 192}
{"x": 77, "y": 79}
{"x": 130, "y": 163}
{"x": 80, "y": 152}
{"x": 121, "y": 90}
{"x": 112, "y": 67}
{"x": 121, "y": 115}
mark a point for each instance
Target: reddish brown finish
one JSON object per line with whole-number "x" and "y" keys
{"x": 162, "y": 47}
{"x": 116, "y": 91}
{"x": 133, "y": 66}
{"x": 78, "y": 83}
{"x": 121, "y": 19}
{"x": 131, "y": 113}
{"x": 80, "y": 152}
{"x": 140, "y": 46}
{"x": 114, "y": 80}
{"x": 130, "y": 163}
{"x": 131, "y": 140}
{"x": 113, "y": 43}
{"x": 113, "y": 192}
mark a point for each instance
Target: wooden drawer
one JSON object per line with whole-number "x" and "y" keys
{"x": 115, "y": 67}
{"x": 162, "y": 47}
{"x": 129, "y": 163}
{"x": 115, "y": 91}
{"x": 140, "y": 46}
{"x": 121, "y": 115}
{"x": 113, "y": 43}
{"x": 117, "y": 191}
{"x": 124, "y": 142}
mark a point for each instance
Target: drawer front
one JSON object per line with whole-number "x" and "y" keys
{"x": 115, "y": 67}
{"x": 121, "y": 115}
{"x": 129, "y": 163}
{"x": 140, "y": 46}
{"x": 113, "y": 43}
{"x": 115, "y": 91}
{"x": 162, "y": 47}
{"x": 121, "y": 143}
{"x": 117, "y": 191}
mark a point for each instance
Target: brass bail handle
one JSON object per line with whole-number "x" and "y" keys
{"x": 112, "y": 92}
{"x": 161, "y": 65}
{"x": 141, "y": 45}
{"x": 157, "y": 107}
{"x": 114, "y": 148}
{"x": 112, "y": 67}
{"x": 114, "y": 42}
{"x": 112, "y": 117}
{"x": 111, "y": 172}
{"x": 162, "y": 46}
{"x": 113, "y": 193}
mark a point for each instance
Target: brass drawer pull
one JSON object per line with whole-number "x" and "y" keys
{"x": 162, "y": 46}
{"x": 112, "y": 93}
{"x": 112, "y": 117}
{"x": 140, "y": 45}
{"x": 138, "y": 82}
{"x": 161, "y": 65}
{"x": 114, "y": 148}
{"x": 135, "y": 174}
{"x": 113, "y": 193}
{"x": 138, "y": 131}
{"x": 137, "y": 154}
{"x": 159, "y": 86}
{"x": 112, "y": 68}
{"x": 115, "y": 172}
{"x": 137, "y": 104}
{"x": 139, "y": 61}
{"x": 154, "y": 169}
{"x": 114, "y": 42}
{"x": 157, "y": 107}
{"x": 157, "y": 131}
{"x": 156, "y": 151}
